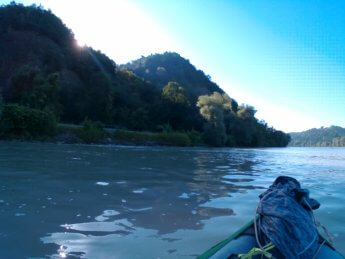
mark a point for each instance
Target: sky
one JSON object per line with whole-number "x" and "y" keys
{"x": 284, "y": 57}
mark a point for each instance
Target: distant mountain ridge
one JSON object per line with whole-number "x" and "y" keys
{"x": 333, "y": 136}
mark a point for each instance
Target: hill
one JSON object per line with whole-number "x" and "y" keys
{"x": 333, "y": 136}
{"x": 159, "y": 69}
{"x": 35, "y": 45}
{"x": 46, "y": 76}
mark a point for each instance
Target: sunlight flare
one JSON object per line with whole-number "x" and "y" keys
{"x": 118, "y": 28}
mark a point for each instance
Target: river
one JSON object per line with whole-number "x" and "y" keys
{"x": 84, "y": 201}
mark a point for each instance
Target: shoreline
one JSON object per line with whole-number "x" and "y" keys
{"x": 91, "y": 134}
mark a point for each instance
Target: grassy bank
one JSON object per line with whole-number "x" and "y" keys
{"x": 91, "y": 132}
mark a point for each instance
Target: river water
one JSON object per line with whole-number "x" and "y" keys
{"x": 80, "y": 201}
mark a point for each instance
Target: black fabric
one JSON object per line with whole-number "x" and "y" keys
{"x": 285, "y": 218}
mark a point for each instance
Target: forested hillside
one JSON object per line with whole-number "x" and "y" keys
{"x": 333, "y": 136}
{"x": 160, "y": 69}
{"x": 45, "y": 75}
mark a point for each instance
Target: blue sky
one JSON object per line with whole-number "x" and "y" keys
{"x": 286, "y": 58}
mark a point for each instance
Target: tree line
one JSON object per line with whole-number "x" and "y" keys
{"x": 333, "y": 136}
{"x": 43, "y": 71}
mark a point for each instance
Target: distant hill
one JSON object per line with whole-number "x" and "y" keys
{"x": 333, "y": 136}
{"x": 159, "y": 69}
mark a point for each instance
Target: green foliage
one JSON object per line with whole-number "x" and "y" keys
{"x": 134, "y": 136}
{"x": 91, "y": 132}
{"x": 246, "y": 112}
{"x": 165, "y": 128}
{"x": 214, "y": 135}
{"x": 338, "y": 142}
{"x": 195, "y": 137}
{"x": 174, "y": 138}
{"x": 22, "y": 122}
{"x": 163, "y": 138}
{"x": 15, "y": 17}
{"x": 29, "y": 87}
{"x": 212, "y": 108}
{"x": 232, "y": 125}
{"x": 230, "y": 141}
{"x": 174, "y": 93}
{"x": 42, "y": 68}
{"x": 322, "y": 137}
{"x": 174, "y": 106}
{"x": 160, "y": 69}
{"x": 139, "y": 119}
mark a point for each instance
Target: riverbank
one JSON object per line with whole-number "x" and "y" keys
{"x": 91, "y": 133}
{"x": 94, "y": 133}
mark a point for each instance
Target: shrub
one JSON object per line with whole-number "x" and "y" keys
{"x": 195, "y": 137}
{"x": 164, "y": 138}
{"x": 214, "y": 136}
{"x": 23, "y": 122}
{"x": 230, "y": 141}
{"x": 135, "y": 137}
{"x": 174, "y": 138}
{"x": 91, "y": 132}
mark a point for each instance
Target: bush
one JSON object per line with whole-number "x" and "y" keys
{"x": 214, "y": 136}
{"x": 230, "y": 141}
{"x": 22, "y": 122}
{"x": 174, "y": 139}
{"x": 134, "y": 136}
{"x": 164, "y": 138}
{"x": 195, "y": 137}
{"x": 91, "y": 132}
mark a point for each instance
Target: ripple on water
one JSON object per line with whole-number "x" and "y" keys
{"x": 195, "y": 201}
{"x": 102, "y": 183}
{"x": 139, "y": 191}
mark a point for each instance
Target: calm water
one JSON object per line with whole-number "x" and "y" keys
{"x": 78, "y": 201}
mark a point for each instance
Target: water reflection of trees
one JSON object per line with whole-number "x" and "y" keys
{"x": 202, "y": 176}
{"x": 163, "y": 190}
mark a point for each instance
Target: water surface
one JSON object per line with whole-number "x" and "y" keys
{"x": 79, "y": 201}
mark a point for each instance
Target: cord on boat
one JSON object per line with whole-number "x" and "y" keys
{"x": 315, "y": 222}
{"x": 259, "y": 218}
{"x": 318, "y": 224}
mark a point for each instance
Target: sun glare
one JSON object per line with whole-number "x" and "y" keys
{"x": 80, "y": 44}
{"x": 118, "y": 28}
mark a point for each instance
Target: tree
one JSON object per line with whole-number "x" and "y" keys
{"x": 30, "y": 87}
{"x": 23, "y": 122}
{"x": 174, "y": 105}
{"x": 212, "y": 108}
{"x": 246, "y": 112}
{"x": 174, "y": 93}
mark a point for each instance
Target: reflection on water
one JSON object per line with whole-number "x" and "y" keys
{"x": 70, "y": 201}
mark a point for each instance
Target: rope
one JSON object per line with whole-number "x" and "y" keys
{"x": 318, "y": 224}
{"x": 318, "y": 250}
{"x": 315, "y": 222}
{"x": 255, "y": 216}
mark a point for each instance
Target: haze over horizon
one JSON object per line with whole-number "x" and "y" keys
{"x": 286, "y": 59}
